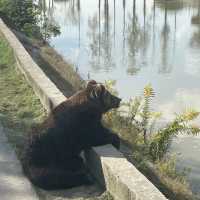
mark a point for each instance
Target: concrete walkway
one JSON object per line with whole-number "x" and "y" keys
{"x": 13, "y": 184}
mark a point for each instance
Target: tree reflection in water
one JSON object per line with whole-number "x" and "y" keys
{"x": 165, "y": 67}
{"x": 195, "y": 40}
{"x": 100, "y": 40}
{"x": 138, "y": 40}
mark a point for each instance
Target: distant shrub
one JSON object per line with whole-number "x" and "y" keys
{"x": 25, "y": 16}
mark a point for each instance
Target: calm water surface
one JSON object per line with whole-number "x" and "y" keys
{"x": 137, "y": 42}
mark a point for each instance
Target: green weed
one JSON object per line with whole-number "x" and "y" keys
{"x": 137, "y": 126}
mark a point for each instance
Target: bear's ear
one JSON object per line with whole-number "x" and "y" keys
{"x": 97, "y": 91}
{"x": 91, "y": 83}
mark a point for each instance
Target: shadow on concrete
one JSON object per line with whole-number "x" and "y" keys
{"x": 95, "y": 156}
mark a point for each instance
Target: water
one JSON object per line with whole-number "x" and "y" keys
{"x": 137, "y": 42}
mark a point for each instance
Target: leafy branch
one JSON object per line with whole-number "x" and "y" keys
{"x": 161, "y": 141}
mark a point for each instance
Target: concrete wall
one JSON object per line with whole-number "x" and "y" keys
{"x": 44, "y": 88}
{"x": 108, "y": 165}
{"x": 120, "y": 176}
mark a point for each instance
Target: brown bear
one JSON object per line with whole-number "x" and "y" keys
{"x": 52, "y": 155}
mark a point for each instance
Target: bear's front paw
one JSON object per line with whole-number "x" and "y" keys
{"x": 116, "y": 141}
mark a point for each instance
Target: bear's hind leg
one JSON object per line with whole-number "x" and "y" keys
{"x": 56, "y": 178}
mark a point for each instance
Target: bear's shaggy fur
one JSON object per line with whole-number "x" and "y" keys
{"x": 52, "y": 156}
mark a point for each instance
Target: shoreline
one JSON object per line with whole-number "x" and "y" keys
{"x": 53, "y": 64}
{"x": 35, "y": 47}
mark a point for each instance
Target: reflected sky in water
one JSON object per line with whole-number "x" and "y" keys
{"x": 135, "y": 42}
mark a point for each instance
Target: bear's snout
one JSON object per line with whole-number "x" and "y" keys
{"x": 117, "y": 102}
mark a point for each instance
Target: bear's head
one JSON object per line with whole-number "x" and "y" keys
{"x": 98, "y": 92}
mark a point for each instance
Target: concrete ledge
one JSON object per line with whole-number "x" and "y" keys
{"x": 46, "y": 90}
{"x": 108, "y": 165}
{"x": 119, "y": 176}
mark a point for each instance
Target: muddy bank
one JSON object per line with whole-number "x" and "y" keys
{"x": 61, "y": 73}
